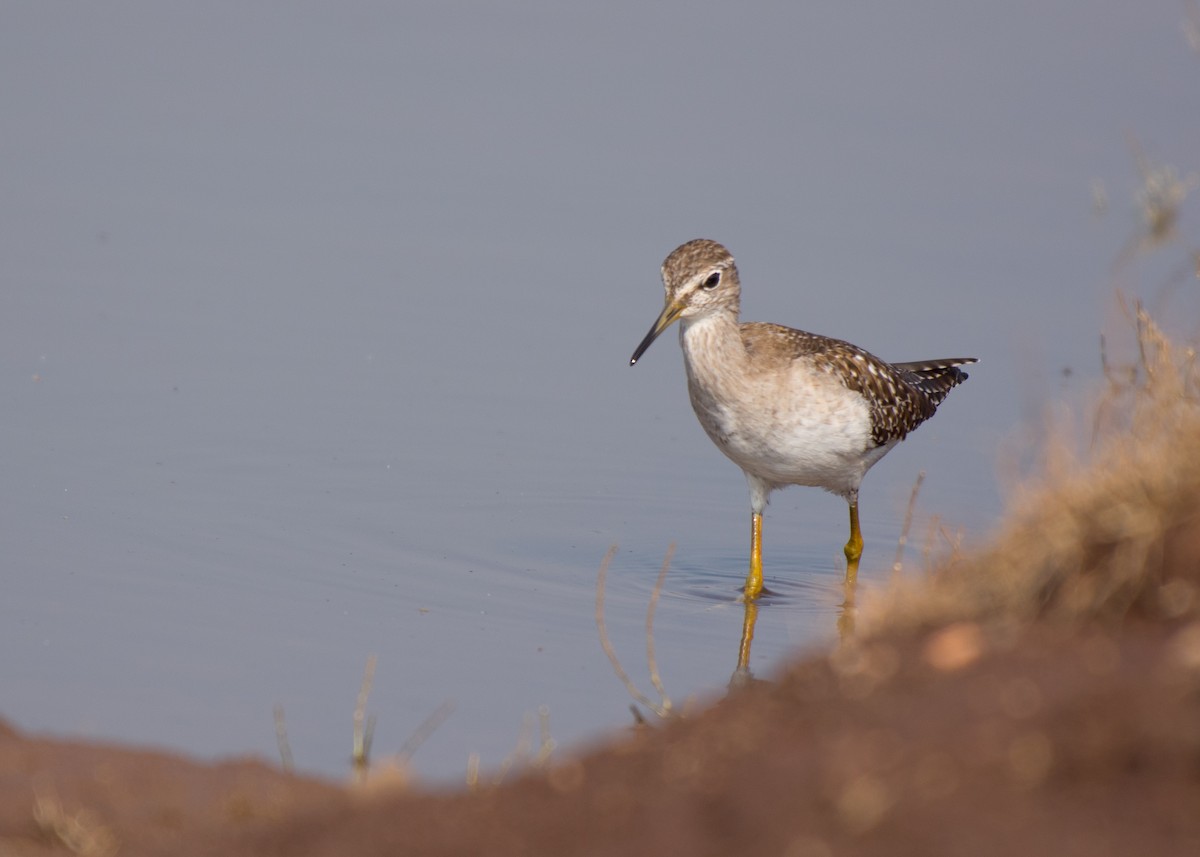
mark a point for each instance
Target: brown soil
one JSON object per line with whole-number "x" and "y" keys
{"x": 962, "y": 741}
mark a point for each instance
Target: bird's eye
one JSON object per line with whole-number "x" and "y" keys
{"x": 711, "y": 281}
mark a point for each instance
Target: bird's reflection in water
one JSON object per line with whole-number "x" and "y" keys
{"x": 845, "y": 624}
{"x": 846, "y": 615}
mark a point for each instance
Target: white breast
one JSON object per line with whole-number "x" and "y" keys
{"x": 798, "y": 426}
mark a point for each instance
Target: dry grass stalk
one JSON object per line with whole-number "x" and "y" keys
{"x": 421, "y": 734}
{"x": 663, "y": 707}
{"x": 1191, "y": 26}
{"x": 80, "y": 832}
{"x": 364, "y": 727}
{"x": 651, "y": 661}
{"x": 523, "y": 752}
{"x": 898, "y": 563}
{"x": 281, "y": 741}
{"x": 520, "y": 751}
{"x": 395, "y": 771}
{"x": 1091, "y": 538}
{"x": 1160, "y": 198}
{"x": 546, "y": 742}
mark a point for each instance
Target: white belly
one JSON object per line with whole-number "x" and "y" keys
{"x": 782, "y": 417}
{"x": 811, "y": 431}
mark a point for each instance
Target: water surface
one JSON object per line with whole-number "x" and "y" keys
{"x": 315, "y": 324}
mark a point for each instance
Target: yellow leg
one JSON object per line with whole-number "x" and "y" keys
{"x": 853, "y": 552}
{"x": 754, "y": 583}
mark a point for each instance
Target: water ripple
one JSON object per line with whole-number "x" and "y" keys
{"x": 796, "y": 583}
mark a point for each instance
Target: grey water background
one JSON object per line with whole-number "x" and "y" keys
{"x": 315, "y": 322}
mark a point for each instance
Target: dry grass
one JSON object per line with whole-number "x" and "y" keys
{"x": 527, "y": 754}
{"x": 664, "y": 707}
{"x": 389, "y": 772}
{"x": 1095, "y": 537}
{"x": 80, "y": 832}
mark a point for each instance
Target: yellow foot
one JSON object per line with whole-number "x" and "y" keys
{"x": 854, "y": 547}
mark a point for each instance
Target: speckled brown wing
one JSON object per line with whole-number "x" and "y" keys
{"x": 900, "y": 396}
{"x": 936, "y": 378}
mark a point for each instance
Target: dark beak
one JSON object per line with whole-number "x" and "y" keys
{"x": 665, "y": 319}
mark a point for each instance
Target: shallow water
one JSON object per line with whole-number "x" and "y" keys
{"x": 315, "y": 333}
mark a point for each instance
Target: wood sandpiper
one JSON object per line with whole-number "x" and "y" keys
{"x": 786, "y": 406}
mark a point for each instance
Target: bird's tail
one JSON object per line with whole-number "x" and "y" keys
{"x": 936, "y": 378}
